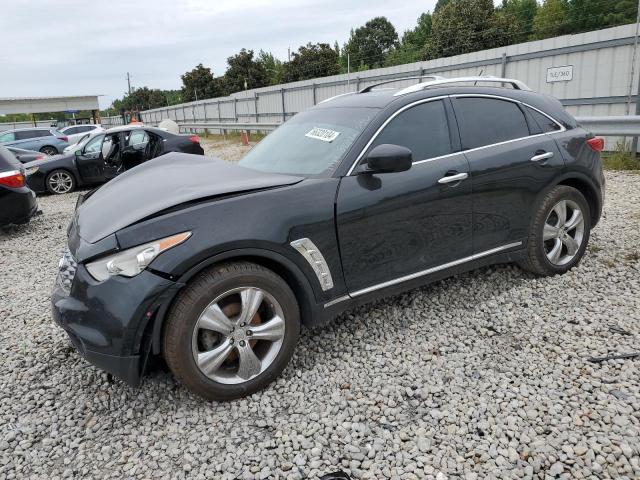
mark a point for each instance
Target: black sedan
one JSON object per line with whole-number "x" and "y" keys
{"x": 26, "y": 156}
{"x": 369, "y": 194}
{"x": 17, "y": 201}
{"x": 106, "y": 156}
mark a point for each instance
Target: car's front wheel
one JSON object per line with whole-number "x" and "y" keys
{"x": 231, "y": 331}
{"x": 559, "y": 232}
{"x": 60, "y": 181}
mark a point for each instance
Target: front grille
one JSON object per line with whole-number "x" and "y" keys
{"x": 66, "y": 271}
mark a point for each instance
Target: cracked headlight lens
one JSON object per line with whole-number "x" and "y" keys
{"x": 133, "y": 261}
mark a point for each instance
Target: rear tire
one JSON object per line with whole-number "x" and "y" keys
{"x": 559, "y": 232}
{"x": 49, "y": 150}
{"x": 60, "y": 181}
{"x": 231, "y": 331}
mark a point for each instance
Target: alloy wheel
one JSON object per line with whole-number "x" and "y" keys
{"x": 49, "y": 151}
{"x": 60, "y": 182}
{"x": 563, "y": 232}
{"x": 238, "y": 335}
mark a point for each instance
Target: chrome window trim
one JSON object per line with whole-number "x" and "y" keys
{"x": 460, "y": 95}
{"x": 438, "y": 268}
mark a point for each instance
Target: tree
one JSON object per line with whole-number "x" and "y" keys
{"x": 244, "y": 73}
{"x": 273, "y": 66}
{"x": 585, "y": 15}
{"x": 199, "y": 83}
{"x": 463, "y": 26}
{"x": 413, "y": 44}
{"x": 369, "y": 44}
{"x": 311, "y": 61}
{"x": 440, "y": 4}
{"x": 551, "y": 20}
{"x": 522, "y": 12}
{"x": 141, "y": 99}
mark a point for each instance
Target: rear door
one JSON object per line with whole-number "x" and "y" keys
{"x": 395, "y": 225}
{"x": 511, "y": 162}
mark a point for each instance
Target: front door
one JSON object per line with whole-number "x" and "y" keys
{"x": 511, "y": 161}
{"x": 394, "y": 225}
{"x": 90, "y": 162}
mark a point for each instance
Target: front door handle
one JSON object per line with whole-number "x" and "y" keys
{"x": 541, "y": 156}
{"x": 453, "y": 178}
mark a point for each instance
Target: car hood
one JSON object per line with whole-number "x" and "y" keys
{"x": 165, "y": 182}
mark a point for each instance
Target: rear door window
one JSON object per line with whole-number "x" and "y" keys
{"x": 486, "y": 121}
{"x": 138, "y": 139}
{"x": 423, "y": 129}
{"x": 544, "y": 123}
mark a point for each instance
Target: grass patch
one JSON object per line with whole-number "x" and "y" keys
{"x": 621, "y": 158}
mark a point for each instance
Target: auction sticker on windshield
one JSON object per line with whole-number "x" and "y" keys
{"x": 323, "y": 134}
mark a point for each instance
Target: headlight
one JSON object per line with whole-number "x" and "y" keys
{"x": 132, "y": 261}
{"x": 32, "y": 170}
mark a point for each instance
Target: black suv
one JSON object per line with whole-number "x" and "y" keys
{"x": 217, "y": 266}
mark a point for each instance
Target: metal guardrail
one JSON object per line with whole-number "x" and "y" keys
{"x": 617, "y": 126}
{"x": 265, "y": 126}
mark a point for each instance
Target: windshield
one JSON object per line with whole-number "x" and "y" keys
{"x": 311, "y": 143}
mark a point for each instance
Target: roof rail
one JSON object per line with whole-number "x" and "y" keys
{"x": 516, "y": 84}
{"x": 371, "y": 87}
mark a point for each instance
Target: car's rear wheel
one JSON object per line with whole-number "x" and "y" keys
{"x": 559, "y": 232}
{"x": 231, "y": 331}
{"x": 49, "y": 150}
{"x": 60, "y": 181}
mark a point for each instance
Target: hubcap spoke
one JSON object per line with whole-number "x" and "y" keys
{"x": 571, "y": 244}
{"x": 575, "y": 221}
{"x": 272, "y": 330}
{"x": 561, "y": 212}
{"x": 213, "y": 318}
{"x": 550, "y": 232}
{"x": 249, "y": 364}
{"x": 211, "y": 361}
{"x": 554, "y": 253}
{"x": 251, "y": 300}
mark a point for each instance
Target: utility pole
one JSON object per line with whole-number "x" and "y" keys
{"x": 129, "y": 82}
{"x": 289, "y": 54}
{"x": 195, "y": 91}
{"x": 349, "y": 68}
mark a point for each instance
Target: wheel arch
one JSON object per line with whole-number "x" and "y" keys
{"x": 587, "y": 188}
{"x": 281, "y": 266}
{"x": 48, "y": 146}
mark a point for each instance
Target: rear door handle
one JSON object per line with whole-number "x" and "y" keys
{"x": 454, "y": 178}
{"x": 542, "y": 156}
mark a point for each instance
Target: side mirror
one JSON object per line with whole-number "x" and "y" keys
{"x": 388, "y": 158}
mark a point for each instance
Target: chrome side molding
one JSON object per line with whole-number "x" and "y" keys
{"x": 314, "y": 257}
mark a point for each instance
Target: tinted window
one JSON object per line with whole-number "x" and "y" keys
{"x": 484, "y": 121}
{"x": 545, "y": 123}
{"x": 423, "y": 129}
{"x": 70, "y": 130}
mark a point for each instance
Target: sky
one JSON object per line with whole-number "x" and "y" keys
{"x": 70, "y": 47}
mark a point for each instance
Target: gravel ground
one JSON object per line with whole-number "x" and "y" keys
{"x": 485, "y": 375}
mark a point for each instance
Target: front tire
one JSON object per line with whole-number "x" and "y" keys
{"x": 231, "y": 331}
{"x": 60, "y": 181}
{"x": 559, "y": 232}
